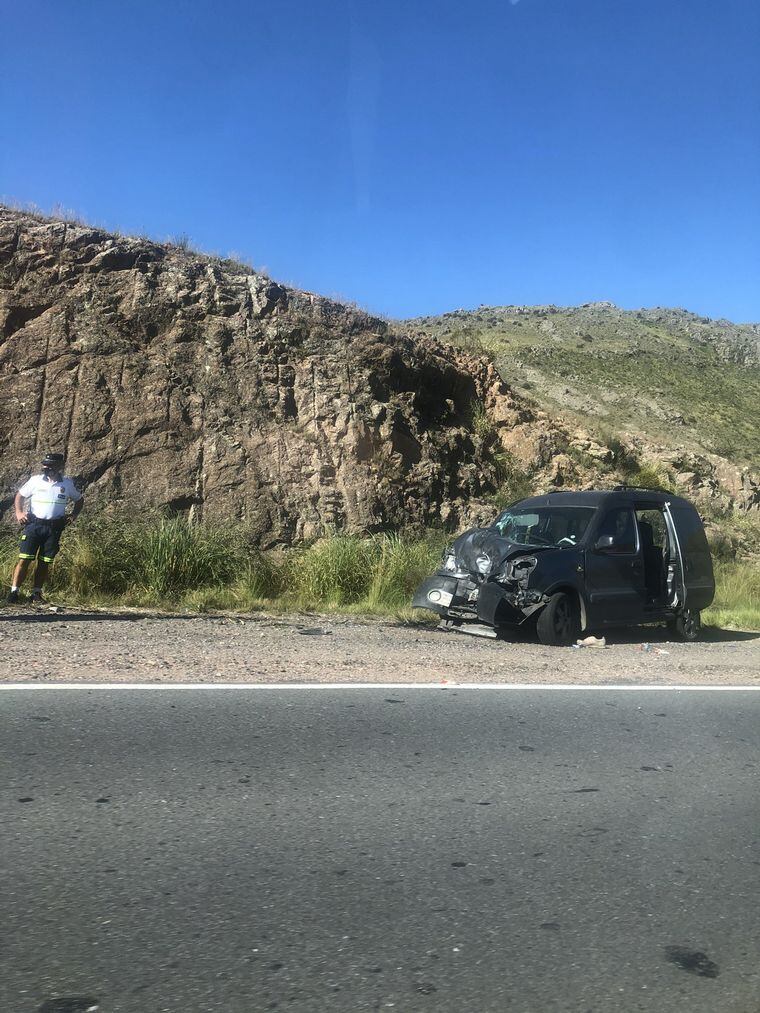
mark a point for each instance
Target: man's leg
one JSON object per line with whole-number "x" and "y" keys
{"x": 41, "y": 573}
{"x": 20, "y": 572}
{"x": 28, "y": 547}
{"x": 47, "y": 554}
{"x": 18, "y": 578}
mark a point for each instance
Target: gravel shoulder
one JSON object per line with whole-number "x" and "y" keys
{"x": 77, "y": 645}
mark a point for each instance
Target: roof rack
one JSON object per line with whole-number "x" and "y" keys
{"x": 641, "y": 488}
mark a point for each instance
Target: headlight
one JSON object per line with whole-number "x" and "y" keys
{"x": 483, "y": 563}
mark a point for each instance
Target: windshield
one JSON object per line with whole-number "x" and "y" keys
{"x": 559, "y": 526}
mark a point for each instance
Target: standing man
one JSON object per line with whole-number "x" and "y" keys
{"x": 44, "y": 518}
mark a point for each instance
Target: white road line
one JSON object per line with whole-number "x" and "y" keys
{"x": 375, "y": 685}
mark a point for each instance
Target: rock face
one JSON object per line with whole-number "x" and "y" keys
{"x": 199, "y": 386}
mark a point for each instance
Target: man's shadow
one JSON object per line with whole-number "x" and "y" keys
{"x": 40, "y": 616}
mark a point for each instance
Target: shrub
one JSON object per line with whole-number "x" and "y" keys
{"x": 176, "y": 556}
{"x": 204, "y": 568}
{"x": 161, "y": 558}
{"x": 399, "y": 567}
{"x": 514, "y": 482}
{"x": 480, "y": 422}
{"x": 334, "y": 571}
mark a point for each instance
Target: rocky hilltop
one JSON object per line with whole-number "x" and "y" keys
{"x": 199, "y": 386}
{"x": 653, "y": 394}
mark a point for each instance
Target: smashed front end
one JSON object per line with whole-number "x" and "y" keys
{"x": 483, "y": 579}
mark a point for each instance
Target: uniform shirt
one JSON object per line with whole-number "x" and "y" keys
{"x": 49, "y": 499}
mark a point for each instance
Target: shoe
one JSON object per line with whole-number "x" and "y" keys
{"x": 12, "y": 598}
{"x": 36, "y": 598}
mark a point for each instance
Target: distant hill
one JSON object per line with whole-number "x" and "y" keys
{"x": 667, "y": 374}
{"x": 651, "y": 396}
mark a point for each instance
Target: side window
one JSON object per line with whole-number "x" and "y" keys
{"x": 620, "y": 524}
{"x": 653, "y": 532}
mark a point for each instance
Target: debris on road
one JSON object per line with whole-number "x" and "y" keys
{"x": 591, "y": 642}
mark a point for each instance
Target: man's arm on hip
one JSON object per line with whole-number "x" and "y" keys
{"x": 18, "y": 505}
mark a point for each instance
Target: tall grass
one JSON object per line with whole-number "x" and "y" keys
{"x": 149, "y": 561}
{"x": 400, "y": 567}
{"x": 170, "y": 563}
{"x": 369, "y": 575}
{"x": 737, "y": 595}
{"x": 334, "y": 572}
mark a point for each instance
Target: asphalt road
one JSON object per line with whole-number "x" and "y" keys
{"x": 193, "y": 850}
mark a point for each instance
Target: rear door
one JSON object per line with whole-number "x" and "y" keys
{"x": 615, "y": 573}
{"x": 696, "y": 562}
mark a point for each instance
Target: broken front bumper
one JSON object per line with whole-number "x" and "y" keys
{"x": 489, "y": 602}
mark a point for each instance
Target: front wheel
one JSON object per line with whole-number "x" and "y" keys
{"x": 559, "y": 622}
{"x": 686, "y": 626}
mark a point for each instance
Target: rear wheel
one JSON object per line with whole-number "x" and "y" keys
{"x": 686, "y": 626}
{"x": 559, "y": 623}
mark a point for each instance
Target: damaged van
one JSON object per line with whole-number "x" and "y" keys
{"x": 577, "y": 561}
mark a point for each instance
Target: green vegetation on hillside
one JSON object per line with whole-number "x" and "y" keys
{"x": 668, "y": 374}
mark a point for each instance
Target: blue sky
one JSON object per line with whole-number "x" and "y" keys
{"x": 412, "y": 156}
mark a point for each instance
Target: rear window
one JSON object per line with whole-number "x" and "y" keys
{"x": 691, "y": 534}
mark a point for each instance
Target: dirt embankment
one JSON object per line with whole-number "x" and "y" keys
{"x": 81, "y": 646}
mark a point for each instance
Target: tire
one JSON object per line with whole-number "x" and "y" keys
{"x": 559, "y": 623}
{"x": 686, "y": 626}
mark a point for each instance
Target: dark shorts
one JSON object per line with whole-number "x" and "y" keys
{"x": 40, "y": 538}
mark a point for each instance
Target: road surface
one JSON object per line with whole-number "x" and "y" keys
{"x": 433, "y": 849}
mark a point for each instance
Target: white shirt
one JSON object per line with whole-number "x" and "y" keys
{"x": 49, "y": 499}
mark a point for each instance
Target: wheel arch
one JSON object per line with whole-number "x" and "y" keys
{"x": 577, "y": 594}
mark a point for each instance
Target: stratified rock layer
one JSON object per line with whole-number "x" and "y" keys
{"x": 194, "y": 384}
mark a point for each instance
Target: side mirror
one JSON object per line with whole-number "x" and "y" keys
{"x": 605, "y": 542}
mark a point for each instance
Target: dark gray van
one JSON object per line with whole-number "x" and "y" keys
{"x": 575, "y": 561}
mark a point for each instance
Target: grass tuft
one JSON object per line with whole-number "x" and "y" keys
{"x": 737, "y": 596}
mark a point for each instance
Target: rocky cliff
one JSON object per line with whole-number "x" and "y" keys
{"x": 197, "y": 385}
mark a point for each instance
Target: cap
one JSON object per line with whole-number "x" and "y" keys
{"x": 52, "y": 461}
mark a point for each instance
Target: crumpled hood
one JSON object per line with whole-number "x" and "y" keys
{"x": 488, "y": 542}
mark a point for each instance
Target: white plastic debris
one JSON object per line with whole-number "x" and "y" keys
{"x": 592, "y": 642}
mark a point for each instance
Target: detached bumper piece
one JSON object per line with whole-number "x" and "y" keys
{"x": 448, "y": 596}
{"x": 474, "y": 629}
{"x": 464, "y": 601}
